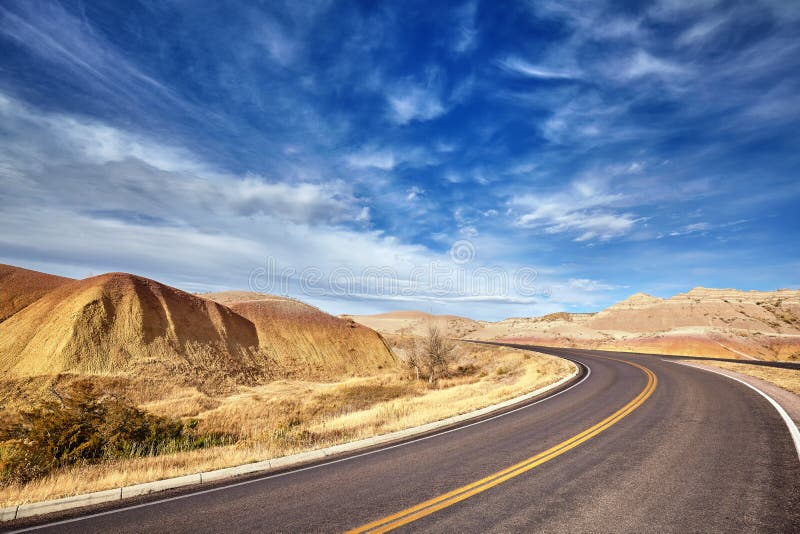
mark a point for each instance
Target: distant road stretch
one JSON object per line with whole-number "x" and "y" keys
{"x": 638, "y": 445}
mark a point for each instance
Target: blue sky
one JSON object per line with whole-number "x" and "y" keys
{"x": 595, "y": 149}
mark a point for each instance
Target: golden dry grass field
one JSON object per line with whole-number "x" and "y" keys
{"x": 288, "y": 416}
{"x": 788, "y": 379}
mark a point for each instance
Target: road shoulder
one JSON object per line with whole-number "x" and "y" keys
{"x": 788, "y": 400}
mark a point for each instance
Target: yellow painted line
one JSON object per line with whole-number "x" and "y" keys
{"x": 430, "y": 506}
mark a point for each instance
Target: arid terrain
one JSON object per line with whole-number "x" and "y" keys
{"x": 719, "y": 323}
{"x": 416, "y": 323}
{"x": 248, "y": 376}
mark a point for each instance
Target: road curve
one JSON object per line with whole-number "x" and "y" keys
{"x": 695, "y": 453}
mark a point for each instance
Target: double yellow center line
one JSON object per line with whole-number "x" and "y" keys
{"x": 430, "y": 506}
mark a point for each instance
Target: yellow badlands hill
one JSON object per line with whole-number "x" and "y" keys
{"x": 725, "y": 323}
{"x": 764, "y": 311}
{"x": 121, "y": 324}
{"x": 305, "y": 340}
{"x": 416, "y": 323}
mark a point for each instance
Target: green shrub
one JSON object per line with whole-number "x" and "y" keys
{"x": 86, "y": 426}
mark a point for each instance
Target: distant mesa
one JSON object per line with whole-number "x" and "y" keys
{"x": 702, "y": 307}
{"x": 636, "y": 301}
{"x": 416, "y": 322}
{"x": 725, "y": 323}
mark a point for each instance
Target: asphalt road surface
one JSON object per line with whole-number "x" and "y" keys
{"x": 649, "y": 447}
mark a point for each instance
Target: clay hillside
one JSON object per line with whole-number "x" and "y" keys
{"x": 723, "y": 323}
{"x": 119, "y": 324}
{"x": 306, "y": 340}
{"x": 416, "y": 323}
{"x": 776, "y": 311}
{"x": 22, "y": 287}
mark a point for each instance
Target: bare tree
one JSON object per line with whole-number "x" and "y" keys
{"x": 437, "y": 351}
{"x": 414, "y": 357}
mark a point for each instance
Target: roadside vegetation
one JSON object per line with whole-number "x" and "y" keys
{"x": 84, "y": 426}
{"x": 89, "y": 440}
{"x": 788, "y": 379}
{"x": 431, "y": 354}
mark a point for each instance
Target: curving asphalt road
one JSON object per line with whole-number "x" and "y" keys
{"x": 649, "y": 447}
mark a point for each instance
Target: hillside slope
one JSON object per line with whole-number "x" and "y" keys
{"x": 416, "y": 322}
{"x": 305, "y": 340}
{"x": 119, "y": 322}
{"x": 773, "y": 311}
{"x": 21, "y": 287}
{"x": 723, "y": 323}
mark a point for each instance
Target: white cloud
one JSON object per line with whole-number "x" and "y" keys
{"x": 588, "y": 119}
{"x": 705, "y": 227}
{"x": 414, "y": 103}
{"x": 49, "y": 32}
{"x": 643, "y": 64}
{"x": 468, "y": 231}
{"x": 128, "y": 172}
{"x": 377, "y": 159}
{"x": 282, "y": 48}
{"x": 414, "y": 193}
{"x": 301, "y": 203}
{"x": 585, "y": 209}
{"x": 587, "y": 284}
{"x": 387, "y": 159}
{"x": 466, "y": 30}
{"x": 669, "y": 10}
{"x": 524, "y": 68}
{"x": 702, "y": 30}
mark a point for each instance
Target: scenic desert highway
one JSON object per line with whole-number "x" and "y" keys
{"x": 638, "y": 444}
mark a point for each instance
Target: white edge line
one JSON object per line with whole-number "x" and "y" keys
{"x": 298, "y": 470}
{"x": 793, "y": 430}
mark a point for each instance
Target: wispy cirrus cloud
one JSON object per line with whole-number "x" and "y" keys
{"x": 466, "y": 30}
{"x": 584, "y": 209}
{"x": 524, "y": 68}
{"x": 409, "y": 102}
{"x": 158, "y": 180}
{"x": 643, "y": 64}
{"x": 326, "y": 132}
{"x": 378, "y": 159}
{"x": 58, "y": 37}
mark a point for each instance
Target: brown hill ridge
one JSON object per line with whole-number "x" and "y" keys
{"x": 119, "y": 322}
{"x": 725, "y": 323}
{"x": 305, "y": 339}
{"x": 637, "y": 301}
{"x": 416, "y": 322}
{"x": 762, "y": 311}
{"x": 20, "y": 287}
{"x": 125, "y": 325}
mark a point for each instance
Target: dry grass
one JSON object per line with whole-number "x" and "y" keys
{"x": 788, "y": 379}
{"x": 289, "y": 416}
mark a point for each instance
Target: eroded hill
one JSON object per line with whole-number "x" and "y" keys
{"x": 305, "y": 340}
{"x": 416, "y": 323}
{"x": 22, "y": 287}
{"x": 144, "y": 337}
{"x": 725, "y": 323}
